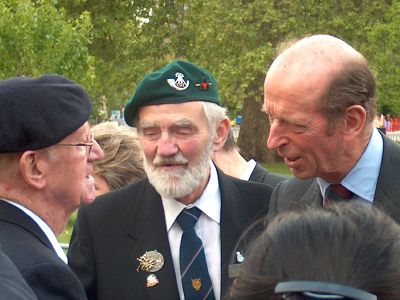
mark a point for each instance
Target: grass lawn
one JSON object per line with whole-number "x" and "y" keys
{"x": 65, "y": 236}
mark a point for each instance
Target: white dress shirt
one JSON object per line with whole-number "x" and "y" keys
{"x": 207, "y": 228}
{"x": 46, "y": 230}
{"x": 251, "y": 164}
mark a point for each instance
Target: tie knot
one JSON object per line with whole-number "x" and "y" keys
{"x": 338, "y": 192}
{"x": 188, "y": 218}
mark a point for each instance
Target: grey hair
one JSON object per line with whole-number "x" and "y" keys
{"x": 214, "y": 114}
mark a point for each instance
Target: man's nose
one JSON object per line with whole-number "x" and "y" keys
{"x": 277, "y": 136}
{"x": 167, "y": 145}
{"x": 96, "y": 153}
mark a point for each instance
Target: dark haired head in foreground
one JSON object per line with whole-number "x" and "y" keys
{"x": 352, "y": 245}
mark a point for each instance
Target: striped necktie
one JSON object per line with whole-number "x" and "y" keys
{"x": 196, "y": 281}
{"x": 337, "y": 193}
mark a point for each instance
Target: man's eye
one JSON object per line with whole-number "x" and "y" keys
{"x": 184, "y": 130}
{"x": 298, "y": 128}
{"x": 150, "y": 132}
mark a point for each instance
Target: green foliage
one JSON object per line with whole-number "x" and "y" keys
{"x": 383, "y": 50}
{"x": 109, "y": 46}
{"x": 235, "y": 40}
{"x": 36, "y": 38}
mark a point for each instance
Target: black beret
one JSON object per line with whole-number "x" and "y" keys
{"x": 177, "y": 82}
{"x": 39, "y": 112}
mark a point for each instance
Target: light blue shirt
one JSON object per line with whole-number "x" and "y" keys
{"x": 362, "y": 179}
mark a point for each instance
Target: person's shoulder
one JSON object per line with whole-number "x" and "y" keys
{"x": 120, "y": 196}
{"x": 295, "y": 184}
{"x": 389, "y": 144}
{"x": 245, "y": 183}
{"x": 27, "y": 251}
{"x": 120, "y": 202}
{"x": 263, "y": 175}
{"x": 243, "y": 187}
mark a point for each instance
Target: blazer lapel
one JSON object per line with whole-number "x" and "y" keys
{"x": 12, "y": 214}
{"x": 234, "y": 219}
{"x": 148, "y": 230}
{"x": 313, "y": 196}
{"x": 386, "y": 193}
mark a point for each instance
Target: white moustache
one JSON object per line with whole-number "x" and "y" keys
{"x": 176, "y": 159}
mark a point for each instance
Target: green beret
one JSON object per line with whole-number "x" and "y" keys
{"x": 37, "y": 113}
{"x": 177, "y": 82}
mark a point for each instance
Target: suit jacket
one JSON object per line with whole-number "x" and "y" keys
{"x": 30, "y": 250}
{"x": 120, "y": 226}
{"x": 262, "y": 175}
{"x": 12, "y": 285}
{"x": 294, "y": 193}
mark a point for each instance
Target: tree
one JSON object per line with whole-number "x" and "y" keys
{"x": 236, "y": 40}
{"x": 383, "y": 50}
{"x": 36, "y": 38}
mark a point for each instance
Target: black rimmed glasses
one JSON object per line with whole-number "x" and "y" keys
{"x": 88, "y": 143}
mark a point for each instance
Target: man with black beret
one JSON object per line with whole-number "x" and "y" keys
{"x": 12, "y": 284}
{"x": 136, "y": 242}
{"x": 46, "y": 161}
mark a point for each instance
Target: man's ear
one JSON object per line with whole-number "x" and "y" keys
{"x": 222, "y": 134}
{"x": 31, "y": 169}
{"x": 356, "y": 117}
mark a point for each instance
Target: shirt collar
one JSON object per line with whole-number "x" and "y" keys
{"x": 363, "y": 177}
{"x": 209, "y": 202}
{"x": 249, "y": 169}
{"x": 45, "y": 228}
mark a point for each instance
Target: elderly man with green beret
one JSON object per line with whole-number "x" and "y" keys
{"x": 46, "y": 161}
{"x": 172, "y": 235}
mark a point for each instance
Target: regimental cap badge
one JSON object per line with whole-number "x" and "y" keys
{"x": 151, "y": 261}
{"x": 179, "y": 83}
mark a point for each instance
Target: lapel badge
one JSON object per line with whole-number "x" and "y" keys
{"x": 151, "y": 261}
{"x": 179, "y": 83}
{"x": 196, "y": 284}
{"x": 204, "y": 85}
{"x": 239, "y": 257}
{"x": 152, "y": 280}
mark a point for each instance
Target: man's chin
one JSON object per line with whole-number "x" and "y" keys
{"x": 90, "y": 191}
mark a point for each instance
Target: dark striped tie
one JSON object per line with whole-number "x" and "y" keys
{"x": 196, "y": 281}
{"x": 337, "y": 193}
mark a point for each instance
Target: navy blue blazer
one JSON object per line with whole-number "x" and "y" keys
{"x": 295, "y": 193}
{"x": 262, "y": 175}
{"x": 120, "y": 226}
{"x": 30, "y": 250}
{"x": 12, "y": 285}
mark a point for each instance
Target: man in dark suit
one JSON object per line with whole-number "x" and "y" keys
{"x": 46, "y": 158}
{"x": 232, "y": 163}
{"x": 12, "y": 285}
{"x": 128, "y": 243}
{"x": 320, "y": 95}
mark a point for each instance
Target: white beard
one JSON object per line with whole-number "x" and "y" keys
{"x": 181, "y": 182}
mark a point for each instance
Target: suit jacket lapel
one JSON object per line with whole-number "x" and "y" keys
{"x": 234, "y": 219}
{"x": 12, "y": 214}
{"x": 313, "y": 196}
{"x": 148, "y": 230}
{"x": 386, "y": 193}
